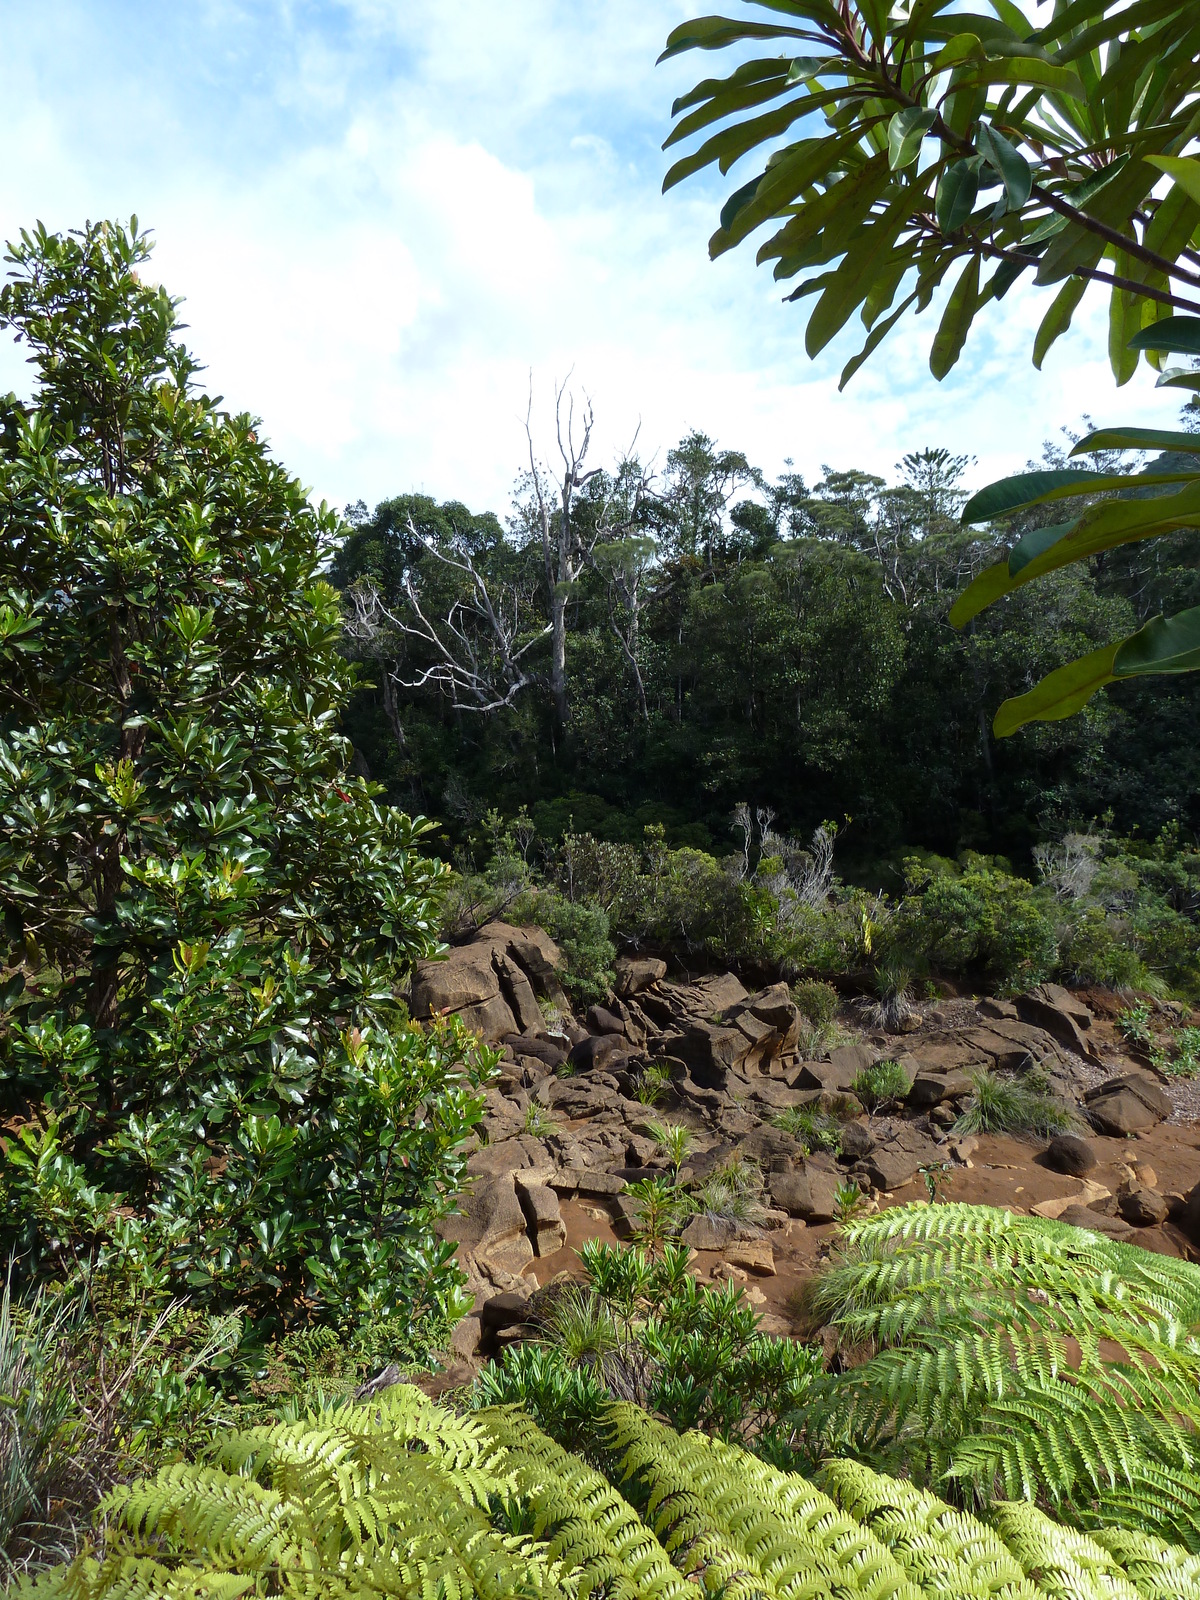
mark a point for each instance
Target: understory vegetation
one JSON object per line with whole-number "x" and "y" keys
{"x": 401, "y": 1496}
{"x": 1121, "y": 913}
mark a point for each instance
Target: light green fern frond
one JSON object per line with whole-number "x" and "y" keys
{"x": 948, "y": 1552}
{"x": 1160, "y": 1571}
{"x": 1066, "y": 1565}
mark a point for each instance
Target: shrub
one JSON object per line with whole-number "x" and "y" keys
{"x": 814, "y": 1130}
{"x": 580, "y": 929}
{"x": 690, "y": 1352}
{"x": 883, "y": 1083}
{"x": 1005, "y": 1105}
{"x": 817, "y": 1001}
{"x": 985, "y": 921}
{"x": 206, "y": 915}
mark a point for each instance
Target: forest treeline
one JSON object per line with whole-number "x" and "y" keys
{"x": 631, "y": 647}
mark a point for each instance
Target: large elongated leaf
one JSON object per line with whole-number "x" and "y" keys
{"x": 1165, "y": 645}
{"x": 906, "y": 131}
{"x": 714, "y": 33}
{"x": 1184, "y": 170}
{"x": 1059, "y": 694}
{"x": 1058, "y": 319}
{"x": 1137, "y": 439}
{"x": 1028, "y": 489}
{"x": 956, "y": 321}
{"x": 1178, "y": 335}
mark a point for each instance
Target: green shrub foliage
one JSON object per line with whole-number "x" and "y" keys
{"x": 205, "y": 915}
{"x": 401, "y": 1497}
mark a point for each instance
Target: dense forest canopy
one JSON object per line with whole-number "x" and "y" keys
{"x": 730, "y": 637}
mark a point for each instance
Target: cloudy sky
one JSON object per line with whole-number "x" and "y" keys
{"x": 386, "y": 215}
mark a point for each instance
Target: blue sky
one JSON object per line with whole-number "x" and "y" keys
{"x": 386, "y": 215}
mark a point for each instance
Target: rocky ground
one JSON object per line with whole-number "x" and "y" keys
{"x": 565, "y": 1130}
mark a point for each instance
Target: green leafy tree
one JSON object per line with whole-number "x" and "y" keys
{"x": 206, "y": 917}
{"x": 992, "y": 145}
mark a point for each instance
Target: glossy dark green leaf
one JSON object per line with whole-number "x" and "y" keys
{"x": 956, "y": 194}
{"x": 1179, "y": 378}
{"x": 992, "y": 583}
{"x": 1032, "y": 545}
{"x": 1176, "y": 335}
{"x": 1028, "y": 489}
{"x": 1058, "y": 318}
{"x": 1165, "y": 644}
{"x": 1008, "y": 161}
{"x": 1137, "y": 439}
{"x": 956, "y": 321}
{"x": 906, "y": 131}
{"x": 714, "y": 33}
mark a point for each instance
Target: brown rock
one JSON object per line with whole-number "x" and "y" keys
{"x": 493, "y": 1160}
{"x": 466, "y": 1338}
{"x": 494, "y": 1224}
{"x": 931, "y": 1088}
{"x": 593, "y": 1185}
{"x": 997, "y": 1008}
{"x": 834, "y": 1077}
{"x": 711, "y": 1050}
{"x": 857, "y": 1140}
{"x": 601, "y": 1020}
{"x": 1044, "y": 1013}
{"x": 790, "y": 1191}
{"x": 752, "y": 1255}
{"x": 635, "y": 973}
{"x": 1131, "y": 1103}
{"x": 546, "y": 1228}
{"x": 502, "y": 1311}
{"x": 1142, "y": 1207}
{"x": 490, "y": 1019}
{"x": 466, "y": 977}
{"x": 892, "y": 1168}
{"x": 1070, "y": 1154}
{"x": 598, "y": 1051}
{"x": 518, "y": 992}
{"x": 850, "y": 1060}
{"x": 702, "y": 1233}
{"x": 1084, "y": 1217}
{"x": 540, "y": 1048}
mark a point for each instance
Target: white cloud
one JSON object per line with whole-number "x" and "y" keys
{"x": 385, "y": 213}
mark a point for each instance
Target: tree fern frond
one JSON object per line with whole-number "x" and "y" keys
{"x": 1159, "y": 1570}
{"x": 1065, "y": 1564}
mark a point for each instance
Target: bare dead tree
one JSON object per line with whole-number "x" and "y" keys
{"x": 480, "y": 649}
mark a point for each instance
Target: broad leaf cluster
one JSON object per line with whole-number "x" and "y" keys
{"x": 921, "y": 145}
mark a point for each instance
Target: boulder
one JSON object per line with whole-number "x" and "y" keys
{"x": 574, "y": 1098}
{"x": 1070, "y": 1154}
{"x": 518, "y": 992}
{"x": 808, "y": 1192}
{"x": 1084, "y": 1217}
{"x": 490, "y": 1019}
{"x": 1131, "y": 1103}
{"x": 931, "y": 1088}
{"x": 892, "y": 1168}
{"x": 466, "y": 1338}
{"x": 998, "y": 1009}
{"x": 850, "y": 1060}
{"x": 711, "y": 1051}
{"x": 635, "y": 973}
{"x": 493, "y": 1224}
{"x": 589, "y": 1184}
{"x": 507, "y": 1155}
{"x": 465, "y": 977}
{"x": 1141, "y": 1207}
{"x": 1043, "y": 1009}
{"x": 601, "y": 1020}
{"x": 702, "y": 1233}
{"x": 752, "y": 1255}
{"x": 547, "y": 1230}
{"x": 857, "y": 1140}
{"x": 834, "y": 1077}
{"x": 598, "y": 1051}
{"x": 540, "y": 1048}
{"x": 503, "y": 1311}
{"x": 767, "y": 1145}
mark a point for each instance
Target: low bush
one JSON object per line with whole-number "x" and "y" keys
{"x": 642, "y": 1328}
{"x": 883, "y": 1083}
{"x": 813, "y": 1130}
